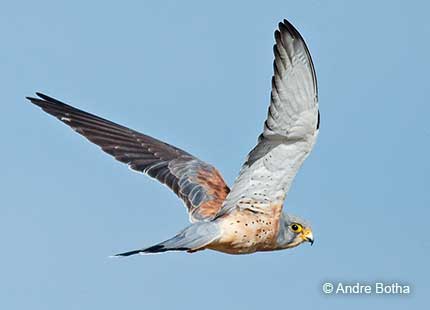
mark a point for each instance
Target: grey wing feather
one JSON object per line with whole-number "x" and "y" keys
{"x": 290, "y": 129}
{"x": 190, "y": 178}
{"x": 294, "y": 83}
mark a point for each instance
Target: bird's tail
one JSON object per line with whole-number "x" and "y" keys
{"x": 191, "y": 239}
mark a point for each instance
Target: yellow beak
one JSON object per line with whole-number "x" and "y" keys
{"x": 307, "y": 235}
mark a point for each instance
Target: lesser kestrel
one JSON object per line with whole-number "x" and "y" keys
{"x": 248, "y": 217}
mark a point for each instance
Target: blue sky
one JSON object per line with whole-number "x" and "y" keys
{"x": 197, "y": 75}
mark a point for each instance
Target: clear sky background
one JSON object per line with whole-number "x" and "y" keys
{"x": 197, "y": 75}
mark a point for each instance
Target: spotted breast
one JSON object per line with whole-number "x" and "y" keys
{"x": 245, "y": 231}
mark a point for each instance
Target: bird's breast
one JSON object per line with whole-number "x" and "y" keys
{"x": 243, "y": 231}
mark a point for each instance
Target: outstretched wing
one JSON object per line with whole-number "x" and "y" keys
{"x": 289, "y": 132}
{"x": 197, "y": 183}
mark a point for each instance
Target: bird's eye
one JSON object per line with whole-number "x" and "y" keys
{"x": 296, "y": 227}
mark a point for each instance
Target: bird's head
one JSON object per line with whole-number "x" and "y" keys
{"x": 293, "y": 231}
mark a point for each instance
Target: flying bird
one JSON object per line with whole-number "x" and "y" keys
{"x": 248, "y": 217}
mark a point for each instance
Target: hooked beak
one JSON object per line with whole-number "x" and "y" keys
{"x": 308, "y": 236}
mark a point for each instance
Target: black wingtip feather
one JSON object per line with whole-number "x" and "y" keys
{"x": 287, "y": 26}
{"x": 44, "y": 100}
{"x": 49, "y": 99}
{"x": 287, "y": 23}
{"x": 36, "y": 101}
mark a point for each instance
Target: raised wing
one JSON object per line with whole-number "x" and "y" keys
{"x": 197, "y": 183}
{"x": 289, "y": 132}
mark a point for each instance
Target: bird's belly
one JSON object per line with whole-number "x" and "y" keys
{"x": 246, "y": 232}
